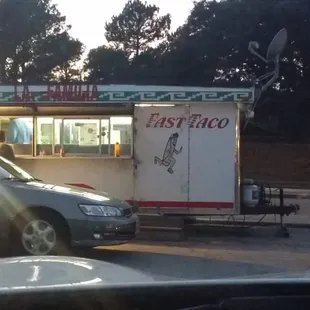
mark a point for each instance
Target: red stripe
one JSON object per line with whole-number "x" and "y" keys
{"x": 80, "y": 185}
{"x": 171, "y": 204}
{"x": 183, "y": 204}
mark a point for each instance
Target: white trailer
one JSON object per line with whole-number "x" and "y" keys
{"x": 179, "y": 146}
{"x": 187, "y": 154}
{"x": 183, "y": 156}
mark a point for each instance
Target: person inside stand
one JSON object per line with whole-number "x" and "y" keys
{"x": 6, "y": 150}
{"x": 19, "y": 131}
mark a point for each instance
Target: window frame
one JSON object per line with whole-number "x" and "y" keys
{"x": 76, "y": 155}
{"x": 33, "y": 132}
{"x": 80, "y": 154}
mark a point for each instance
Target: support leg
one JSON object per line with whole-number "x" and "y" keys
{"x": 282, "y": 231}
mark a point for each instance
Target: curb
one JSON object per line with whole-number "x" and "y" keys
{"x": 202, "y": 225}
{"x": 290, "y": 193}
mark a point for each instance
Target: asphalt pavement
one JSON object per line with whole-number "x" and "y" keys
{"x": 209, "y": 257}
{"x": 223, "y": 253}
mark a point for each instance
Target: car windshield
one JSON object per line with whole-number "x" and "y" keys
{"x": 9, "y": 170}
{"x": 171, "y": 137}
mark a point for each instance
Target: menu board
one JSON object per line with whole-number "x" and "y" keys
{"x": 88, "y": 134}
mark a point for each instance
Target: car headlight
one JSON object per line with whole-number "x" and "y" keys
{"x": 99, "y": 210}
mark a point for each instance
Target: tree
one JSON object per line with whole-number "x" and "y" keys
{"x": 146, "y": 67}
{"x": 67, "y": 54}
{"x": 31, "y": 37}
{"x": 107, "y": 65}
{"x": 137, "y": 27}
{"x": 213, "y": 43}
{"x": 198, "y": 48}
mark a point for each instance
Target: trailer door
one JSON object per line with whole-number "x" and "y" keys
{"x": 212, "y": 158}
{"x": 161, "y": 156}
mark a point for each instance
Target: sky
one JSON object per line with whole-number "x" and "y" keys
{"x": 88, "y": 17}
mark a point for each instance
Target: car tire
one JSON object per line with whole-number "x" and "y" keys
{"x": 39, "y": 233}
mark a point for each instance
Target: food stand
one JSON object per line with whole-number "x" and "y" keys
{"x": 173, "y": 148}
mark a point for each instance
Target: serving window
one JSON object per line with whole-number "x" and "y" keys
{"x": 82, "y": 136}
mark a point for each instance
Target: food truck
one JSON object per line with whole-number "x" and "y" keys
{"x": 173, "y": 148}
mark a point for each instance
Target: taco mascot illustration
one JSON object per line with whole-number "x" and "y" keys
{"x": 168, "y": 159}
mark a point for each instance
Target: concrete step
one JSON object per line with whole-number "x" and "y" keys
{"x": 161, "y": 228}
{"x": 161, "y": 235}
{"x": 149, "y": 222}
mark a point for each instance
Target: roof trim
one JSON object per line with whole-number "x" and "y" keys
{"x": 112, "y": 94}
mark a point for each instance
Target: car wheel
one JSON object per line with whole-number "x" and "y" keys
{"x": 39, "y": 233}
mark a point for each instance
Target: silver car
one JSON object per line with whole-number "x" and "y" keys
{"x": 39, "y": 218}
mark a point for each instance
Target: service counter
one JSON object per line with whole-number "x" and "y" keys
{"x": 112, "y": 175}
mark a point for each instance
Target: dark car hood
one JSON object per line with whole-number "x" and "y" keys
{"x": 47, "y": 272}
{"x": 92, "y": 195}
